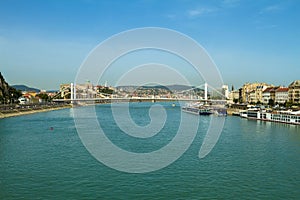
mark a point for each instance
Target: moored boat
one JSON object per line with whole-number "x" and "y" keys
{"x": 287, "y": 117}
{"x": 220, "y": 111}
{"x": 205, "y": 111}
{"x": 190, "y": 110}
{"x": 198, "y": 110}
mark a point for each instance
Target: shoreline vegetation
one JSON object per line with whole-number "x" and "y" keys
{"x": 16, "y": 110}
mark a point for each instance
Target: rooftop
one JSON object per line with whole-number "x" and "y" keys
{"x": 295, "y": 83}
{"x": 282, "y": 90}
{"x": 268, "y": 89}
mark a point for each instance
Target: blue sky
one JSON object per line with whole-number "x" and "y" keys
{"x": 43, "y": 43}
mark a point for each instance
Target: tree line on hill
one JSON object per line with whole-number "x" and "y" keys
{"x": 8, "y": 94}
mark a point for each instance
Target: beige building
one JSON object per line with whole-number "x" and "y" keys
{"x": 256, "y": 91}
{"x": 225, "y": 91}
{"x": 82, "y": 91}
{"x": 234, "y": 95}
{"x": 252, "y": 97}
{"x": 266, "y": 95}
{"x": 281, "y": 95}
{"x": 269, "y": 94}
{"x": 294, "y": 92}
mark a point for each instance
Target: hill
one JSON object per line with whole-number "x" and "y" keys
{"x": 8, "y": 94}
{"x": 4, "y": 88}
{"x": 25, "y": 88}
{"x": 168, "y": 87}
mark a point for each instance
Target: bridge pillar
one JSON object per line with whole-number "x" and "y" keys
{"x": 72, "y": 92}
{"x": 205, "y": 91}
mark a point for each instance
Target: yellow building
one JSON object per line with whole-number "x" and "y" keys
{"x": 294, "y": 92}
{"x": 256, "y": 91}
{"x": 234, "y": 96}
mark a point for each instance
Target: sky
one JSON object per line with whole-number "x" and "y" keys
{"x": 43, "y": 43}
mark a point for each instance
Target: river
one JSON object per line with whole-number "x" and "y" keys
{"x": 42, "y": 157}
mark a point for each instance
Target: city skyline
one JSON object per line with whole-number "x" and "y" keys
{"x": 44, "y": 43}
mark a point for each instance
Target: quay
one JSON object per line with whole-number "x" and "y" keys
{"x": 18, "y": 110}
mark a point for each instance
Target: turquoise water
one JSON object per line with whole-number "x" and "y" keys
{"x": 252, "y": 160}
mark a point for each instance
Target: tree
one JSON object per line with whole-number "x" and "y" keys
{"x": 288, "y": 104}
{"x": 271, "y": 102}
{"x": 43, "y": 96}
{"x": 68, "y": 96}
{"x": 14, "y": 93}
{"x": 8, "y": 93}
{"x": 105, "y": 90}
{"x": 235, "y": 101}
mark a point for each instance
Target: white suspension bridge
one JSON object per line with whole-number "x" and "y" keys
{"x": 177, "y": 96}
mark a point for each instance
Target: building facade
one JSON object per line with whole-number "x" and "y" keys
{"x": 234, "y": 96}
{"x": 281, "y": 95}
{"x": 252, "y": 97}
{"x": 294, "y": 92}
{"x": 266, "y": 95}
{"x": 256, "y": 91}
{"x": 225, "y": 91}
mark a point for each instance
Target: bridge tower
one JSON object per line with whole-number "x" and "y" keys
{"x": 72, "y": 92}
{"x": 205, "y": 91}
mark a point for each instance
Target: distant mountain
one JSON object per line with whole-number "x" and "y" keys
{"x": 168, "y": 87}
{"x": 180, "y": 87}
{"x": 52, "y": 91}
{"x": 25, "y": 88}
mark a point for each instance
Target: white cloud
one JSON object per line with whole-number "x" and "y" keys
{"x": 200, "y": 11}
{"x": 271, "y": 9}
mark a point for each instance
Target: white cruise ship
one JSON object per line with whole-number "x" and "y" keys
{"x": 287, "y": 117}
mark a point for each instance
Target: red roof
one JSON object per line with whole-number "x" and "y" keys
{"x": 282, "y": 90}
{"x": 27, "y": 95}
{"x": 268, "y": 89}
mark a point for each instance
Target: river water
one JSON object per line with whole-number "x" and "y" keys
{"x": 42, "y": 157}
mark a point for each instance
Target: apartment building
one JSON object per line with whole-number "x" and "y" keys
{"x": 294, "y": 92}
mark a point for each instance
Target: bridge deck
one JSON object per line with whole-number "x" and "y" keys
{"x": 136, "y": 99}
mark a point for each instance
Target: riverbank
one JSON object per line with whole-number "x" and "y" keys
{"x": 233, "y": 111}
{"x": 13, "y": 112}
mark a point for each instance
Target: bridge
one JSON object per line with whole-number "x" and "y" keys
{"x": 137, "y": 99}
{"x": 75, "y": 100}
